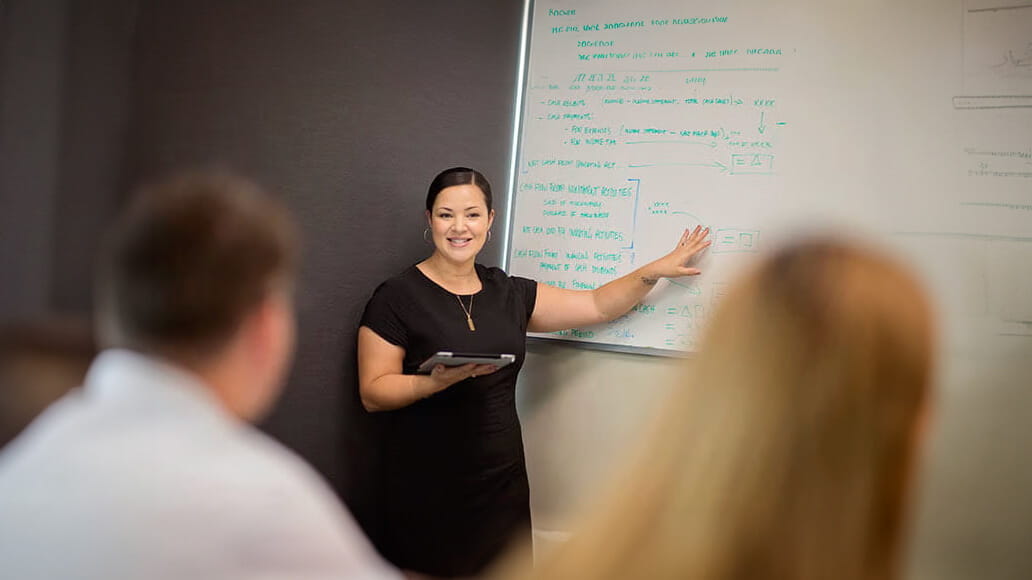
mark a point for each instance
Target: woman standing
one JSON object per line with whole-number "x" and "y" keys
{"x": 456, "y": 480}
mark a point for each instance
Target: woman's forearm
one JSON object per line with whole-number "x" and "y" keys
{"x": 617, "y": 297}
{"x": 391, "y": 392}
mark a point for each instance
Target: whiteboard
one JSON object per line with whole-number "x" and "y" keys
{"x": 907, "y": 122}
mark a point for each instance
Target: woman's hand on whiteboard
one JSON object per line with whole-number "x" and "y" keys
{"x": 676, "y": 263}
{"x": 448, "y": 376}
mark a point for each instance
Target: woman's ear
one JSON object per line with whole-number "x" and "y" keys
{"x": 490, "y": 219}
{"x": 429, "y": 220}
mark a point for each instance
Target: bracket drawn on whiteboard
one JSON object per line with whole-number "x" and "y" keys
{"x": 634, "y": 217}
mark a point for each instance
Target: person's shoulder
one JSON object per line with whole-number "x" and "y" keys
{"x": 241, "y": 472}
{"x": 267, "y": 497}
{"x": 270, "y": 463}
{"x": 400, "y": 282}
{"x": 246, "y": 477}
{"x": 497, "y": 275}
{"x": 492, "y": 273}
{"x": 51, "y": 433}
{"x": 397, "y": 289}
{"x": 282, "y": 482}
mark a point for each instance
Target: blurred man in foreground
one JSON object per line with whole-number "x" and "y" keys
{"x": 153, "y": 470}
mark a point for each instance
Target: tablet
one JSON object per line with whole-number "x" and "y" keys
{"x": 455, "y": 359}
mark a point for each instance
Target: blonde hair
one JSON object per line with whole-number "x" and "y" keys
{"x": 788, "y": 452}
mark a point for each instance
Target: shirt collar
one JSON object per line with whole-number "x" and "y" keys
{"x": 118, "y": 374}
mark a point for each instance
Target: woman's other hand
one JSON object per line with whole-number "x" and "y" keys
{"x": 383, "y": 386}
{"x": 448, "y": 376}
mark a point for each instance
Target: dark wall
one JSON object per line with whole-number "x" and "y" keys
{"x": 95, "y": 115}
{"x": 346, "y": 109}
{"x": 32, "y": 44}
{"x": 64, "y": 85}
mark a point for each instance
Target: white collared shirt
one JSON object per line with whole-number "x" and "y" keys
{"x": 141, "y": 474}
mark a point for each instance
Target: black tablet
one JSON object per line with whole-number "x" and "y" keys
{"x": 455, "y": 359}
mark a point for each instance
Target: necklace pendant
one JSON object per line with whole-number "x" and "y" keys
{"x": 468, "y": 312}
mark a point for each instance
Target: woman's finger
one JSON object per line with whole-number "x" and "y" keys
{"x": 481, "y": 370}
{"x": 699, "y": 236}
{"x": 685, "y": 236}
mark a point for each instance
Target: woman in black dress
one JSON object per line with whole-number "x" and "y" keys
{"x": 456, "y": 489}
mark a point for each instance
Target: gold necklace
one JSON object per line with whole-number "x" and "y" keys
{"x": 468, "y": 311}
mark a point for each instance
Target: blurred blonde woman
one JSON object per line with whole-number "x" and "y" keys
{"x": 788, "y": 453}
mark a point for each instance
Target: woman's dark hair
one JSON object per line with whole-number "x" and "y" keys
{"x": 458, "y": 176}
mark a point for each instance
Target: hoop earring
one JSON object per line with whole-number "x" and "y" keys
{"x": 426, "y": 235}
{"x": 489, "y": 236}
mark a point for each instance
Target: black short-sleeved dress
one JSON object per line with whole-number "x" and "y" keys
{"x": 456, "y": 480}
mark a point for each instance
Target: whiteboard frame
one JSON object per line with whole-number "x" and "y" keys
{"x": 517, "y": 130}
{"x": 522, "y": 77}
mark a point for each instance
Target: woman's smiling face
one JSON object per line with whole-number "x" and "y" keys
{"x": 459, "y": 222}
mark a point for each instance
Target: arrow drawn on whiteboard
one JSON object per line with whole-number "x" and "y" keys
{"x": 710, "y": 144}
{"x": 692, "y": 289}
{"x": 762, "y": 127}
{"x": 723, "y": 168}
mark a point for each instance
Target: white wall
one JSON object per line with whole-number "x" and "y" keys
{"x": 974, "y": 512}
{"x": 581, "y": 411}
